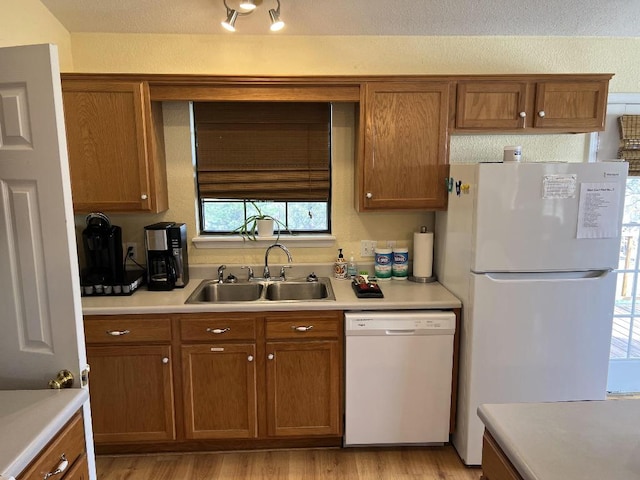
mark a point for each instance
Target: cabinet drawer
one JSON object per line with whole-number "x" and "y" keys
{"x": 127, "y": 329}
{"x": 217, "y": 328}
{"x": 303, "y": 326}
{"x": 68, "y": 442}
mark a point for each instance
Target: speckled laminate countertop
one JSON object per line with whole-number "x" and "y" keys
{"x": 398, "y": 295}
{"x": 29, "y": 420}
{"x": 568, "y": 440}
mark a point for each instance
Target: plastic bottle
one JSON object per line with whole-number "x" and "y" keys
{"x": 352, "y": 268}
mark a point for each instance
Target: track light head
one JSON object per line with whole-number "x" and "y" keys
{"x": 230, "y": 22}
{"x": 276, "y": 23}
{"x": 248, "y": 4}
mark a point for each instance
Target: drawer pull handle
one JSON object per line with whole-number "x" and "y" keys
{"x": 117, "y": 333}
{"x": 302, "y": 328}
{"x": 62, "y": 466}
{"x": 218, "y": 331}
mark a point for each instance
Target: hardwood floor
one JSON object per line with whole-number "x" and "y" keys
{"x": 424, "y": 463}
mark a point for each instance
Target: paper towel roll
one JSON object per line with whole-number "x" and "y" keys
{"x": 423, "y": 254}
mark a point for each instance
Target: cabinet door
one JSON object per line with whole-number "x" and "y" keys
{"x": 115, "y": 159}
{"x": 491, "y": 105}
{"x": 405, "y": 146}
{"x": 131, "y": 393}
{"x": 303, "y": 388}
{"x": 219, "y": 384}
{"x": 571, "y": 106}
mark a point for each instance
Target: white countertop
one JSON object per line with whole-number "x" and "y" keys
{"x": 29, "y": 419}
{"x": 595, "y": 440}
{"x": 398, "y": 294}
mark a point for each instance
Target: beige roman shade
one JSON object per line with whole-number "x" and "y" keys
{"x": 263, "y": 150}
{"x": 630, "y": 142}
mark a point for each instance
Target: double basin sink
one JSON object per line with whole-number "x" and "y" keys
{"x": 213, "y": 291}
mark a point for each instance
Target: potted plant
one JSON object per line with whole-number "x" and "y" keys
{"x": 260, "y": 224}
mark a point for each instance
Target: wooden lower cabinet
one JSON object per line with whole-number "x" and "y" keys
{"x": 131, "y": 381}
{"x": 65, "y": 454}
{"x": 215, "y": 381}
{"x": 495, "y": 464}
{"x": 266, "y": 375}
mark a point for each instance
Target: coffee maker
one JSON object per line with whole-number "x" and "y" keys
{"x": 167, "y": 262}
{"x": 102, "y": 244}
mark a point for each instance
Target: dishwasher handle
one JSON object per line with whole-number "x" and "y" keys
{"x": 400, "y": 332}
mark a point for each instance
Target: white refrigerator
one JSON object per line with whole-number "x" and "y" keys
{"x": 529, "y": 248}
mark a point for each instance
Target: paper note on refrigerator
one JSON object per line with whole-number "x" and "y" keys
{"x": 598, "y": 210}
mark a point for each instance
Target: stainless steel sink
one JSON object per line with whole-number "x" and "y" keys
{"x": 212, "y": 291}
{"x": 298, "y": 291}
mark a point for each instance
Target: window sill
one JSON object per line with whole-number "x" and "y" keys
{"x": 236, "y": 241}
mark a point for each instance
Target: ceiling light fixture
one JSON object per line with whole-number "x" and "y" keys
{"x": 249, "y": 6}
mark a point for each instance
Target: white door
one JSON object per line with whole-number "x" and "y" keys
{"x": 42, "y": 330}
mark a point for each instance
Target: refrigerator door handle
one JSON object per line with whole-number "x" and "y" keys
{"x": 548, "y": 276}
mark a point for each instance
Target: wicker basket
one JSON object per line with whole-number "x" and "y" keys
{"x": 630, "y": 142}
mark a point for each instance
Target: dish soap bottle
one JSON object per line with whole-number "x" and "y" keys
{"x": 352, "y": 268}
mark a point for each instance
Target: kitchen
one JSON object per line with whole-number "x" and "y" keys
{"x": 454, "y": 55}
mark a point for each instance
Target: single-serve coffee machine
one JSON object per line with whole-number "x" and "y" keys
{"x": 102, "y": 244}
{"x": 167, "y": 262}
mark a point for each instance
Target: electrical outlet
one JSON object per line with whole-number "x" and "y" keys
{"x": 131, "y": 250}
{"x": 367, "y": 248}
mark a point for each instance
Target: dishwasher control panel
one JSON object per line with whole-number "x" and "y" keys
{"x": 390, "y": 323}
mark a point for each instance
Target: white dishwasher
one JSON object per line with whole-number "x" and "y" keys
{"x": 398, "y": 377}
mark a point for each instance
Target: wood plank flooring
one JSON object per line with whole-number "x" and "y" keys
{"x": 406, "y": 463}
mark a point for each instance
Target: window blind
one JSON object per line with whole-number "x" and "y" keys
{"x": 263, "y": 150}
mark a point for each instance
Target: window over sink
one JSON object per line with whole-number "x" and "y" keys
{"x": 271, "y": 156}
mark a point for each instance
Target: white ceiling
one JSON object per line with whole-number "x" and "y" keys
{"x": 615, "y": 18}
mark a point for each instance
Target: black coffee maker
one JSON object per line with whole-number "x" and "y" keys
{"x": 167, "y": 262}
{"x": 103, "y": 253}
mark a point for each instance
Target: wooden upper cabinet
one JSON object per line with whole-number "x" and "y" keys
{"x": 116, "y": 146}
{"x": 404, "y": 157}
{"x": 564, "y": 104}
{"x": 578, "y": 106}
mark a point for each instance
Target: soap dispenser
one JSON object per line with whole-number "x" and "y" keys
{"x": 340, "y": 267}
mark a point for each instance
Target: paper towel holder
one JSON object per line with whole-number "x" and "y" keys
{"x": 430, "y": 279}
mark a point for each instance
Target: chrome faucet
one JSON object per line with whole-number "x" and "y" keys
{"x": 266, "y": 273}
{"x": 221, "y": 273}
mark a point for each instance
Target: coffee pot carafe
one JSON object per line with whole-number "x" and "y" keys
{"x": 167, "y": 263}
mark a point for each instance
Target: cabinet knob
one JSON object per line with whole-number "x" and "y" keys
{"x": 270, "y": 356}
{"x": 250, "y": 358}
{"x": 144, "y": 196}
{"x": 541, "y": 113}
{"x": 369, "y": 195}
{"x": 523, "y": 114}
{"x": 165, "y": 360}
